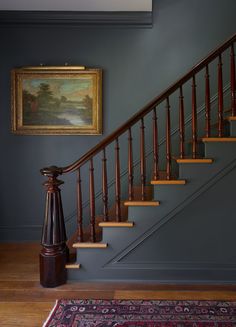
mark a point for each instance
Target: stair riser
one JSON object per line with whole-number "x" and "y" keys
{"x": 233, "y": 128}
{"x": 222, "y": 152}
{"x": 227, "y": 131}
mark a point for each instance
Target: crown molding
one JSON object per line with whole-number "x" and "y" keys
{"x": 76, "y": 18}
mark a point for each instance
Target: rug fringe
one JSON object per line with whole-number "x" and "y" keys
{"x": 51, "y": 313}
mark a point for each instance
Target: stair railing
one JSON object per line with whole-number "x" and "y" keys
{"x": 54, "y": 253}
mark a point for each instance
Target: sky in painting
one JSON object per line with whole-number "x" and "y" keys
{"x": 73, "y": 89}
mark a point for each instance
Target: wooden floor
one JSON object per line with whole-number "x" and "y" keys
{"x": 23, "y": 302}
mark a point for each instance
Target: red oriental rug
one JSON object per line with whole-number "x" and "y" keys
{"x": 143, "y": 313}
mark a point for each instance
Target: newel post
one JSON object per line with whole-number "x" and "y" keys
{"x": 53, "y": 255}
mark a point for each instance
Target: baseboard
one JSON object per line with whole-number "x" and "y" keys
{"x": 18, "y": 233}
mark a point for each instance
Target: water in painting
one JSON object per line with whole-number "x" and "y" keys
{"x": 58, "y": 101}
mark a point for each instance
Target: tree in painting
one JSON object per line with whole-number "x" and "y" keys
{"x": 45, "y": 95}
{"x": 88, "y": 104}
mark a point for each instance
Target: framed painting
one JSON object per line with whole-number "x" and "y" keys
{"x": 56, "y": 100}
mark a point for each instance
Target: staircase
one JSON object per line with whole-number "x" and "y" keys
{"x": 168, "y": 227}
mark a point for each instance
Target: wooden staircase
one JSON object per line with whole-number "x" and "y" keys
{"x": 54, "y": 255}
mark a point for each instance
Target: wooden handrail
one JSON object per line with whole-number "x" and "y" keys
{"x": 146, "y": 109}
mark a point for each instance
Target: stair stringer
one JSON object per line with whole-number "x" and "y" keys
{"x": 102, "y": 264}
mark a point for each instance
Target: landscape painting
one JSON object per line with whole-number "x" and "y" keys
{"x": 56, "y": 101}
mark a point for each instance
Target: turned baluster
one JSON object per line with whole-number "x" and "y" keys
{"x": 155, "y": 147}
{"x": 130, "y": 165}
{"x": 168, "y": 141}
{"x": 104, "y": 186}
{"x": 54, "y": 253}
{"x": 194, "y": 119}
{"x": 207, "y": 104}
{"x": 142, "y": 160}
{"x": 117, "y": 167}
{"x": 220, "y": 98}
{"x": 181, "y": 124}
{"x": 79, "y": 209}
{"x": 92, "y": 202}
{"x": 232, "y": 81}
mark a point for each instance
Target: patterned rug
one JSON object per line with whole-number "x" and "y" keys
{"x": 143, "y": 313}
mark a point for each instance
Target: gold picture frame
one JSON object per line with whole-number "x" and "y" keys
{"x": 64, "y": 100}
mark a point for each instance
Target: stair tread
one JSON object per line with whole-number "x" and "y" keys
{"x": 142, "y": 203}
{"x": 73, "y": 266}
{"x": 90, "y": 245}
{"x": 168, "y": 182}
{"x": 197, "y": 160}
{"x": 116, "y": 224}
{"x": 219, "y": 139}
{"x": 231, "y": 118}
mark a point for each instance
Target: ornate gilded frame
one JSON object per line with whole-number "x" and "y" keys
{"x": 64, "y": 100}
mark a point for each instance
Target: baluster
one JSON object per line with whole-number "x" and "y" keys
{"x": 104, "y": 186}
{"x": 79, "y": 209}
{"x": 142, "y": 161}
{"x": 54, "y": 253}
{"x": 232, "y": 79}
{"x": 168, "y": 141}
{"x": 92, "y": 202}
{"x": 155, "y": 146}
{"x": 130, "y": 166}
{"x": 194, "y": 119}
{"x": 118, "y": 209}
{"x": 220, "y": 98}
{"x": 207, "y": 104}
{"x": 181, "y": 123}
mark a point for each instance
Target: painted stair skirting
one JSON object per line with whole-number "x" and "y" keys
{"x": 189, "y": 238}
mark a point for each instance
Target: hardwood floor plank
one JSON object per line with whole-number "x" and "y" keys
{"x": 11, "y": 272}
{"x": 175, "y": 295}
{"x": 36, "y": 296}
{"x": 25, "y": 314}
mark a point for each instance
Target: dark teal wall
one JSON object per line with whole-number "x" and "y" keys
{"x": 137, "y": 64}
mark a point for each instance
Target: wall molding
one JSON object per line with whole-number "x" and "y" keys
{"x": 175, "y": 265}
{"x": 76, "y": 18}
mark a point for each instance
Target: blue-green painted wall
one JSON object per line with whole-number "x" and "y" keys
{"x": 137, "y": 64}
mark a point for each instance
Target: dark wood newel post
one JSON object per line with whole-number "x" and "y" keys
{"x": 54, "y": 253}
